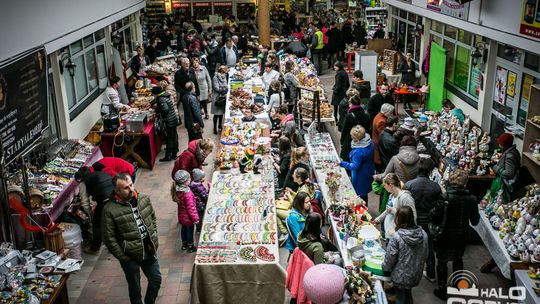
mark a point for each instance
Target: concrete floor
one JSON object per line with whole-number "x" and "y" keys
{"x": 101, "y": 279}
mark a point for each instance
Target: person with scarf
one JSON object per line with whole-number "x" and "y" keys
{"x": 299, "y": 159}
{"x": 355, "y": 116}
{"x": 287, "y": 126}
{"x": 210, "y": 47}
{"x": 194, "y": 156}
{"x": 187, "y": 209}
{"x": 192, "y": 113}
{"x": 296, "y": 220}
{"x": 361, "y": 162}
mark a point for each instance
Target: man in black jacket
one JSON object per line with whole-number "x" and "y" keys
{"x": 388, "y": 145}
{"x": 425, "y": 193}
{"x": 355, "y": 116}
{"x": 97, "y": 185}
{"x": 166, "y": 112}
{"x": 462, "y": 209}
{"x": 376, "y": 101}
{"x": 182, "y": 76}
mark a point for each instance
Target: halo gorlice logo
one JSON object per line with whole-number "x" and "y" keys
{"x": 462, "y": 288}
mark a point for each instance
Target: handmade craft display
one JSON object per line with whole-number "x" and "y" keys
{"x": 246, "y": 89}
{"x": 165, "y": 66}
{"x": 466, "y": 147}
{"x": 240, "y": 221}
{"x": 240, "y": 140}
{"x": 518, "y": 223}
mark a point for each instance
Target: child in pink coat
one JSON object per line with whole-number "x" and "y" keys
{"x": 187, "y": 210}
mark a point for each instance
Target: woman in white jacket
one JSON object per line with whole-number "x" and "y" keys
{"x": 398, "y": 198}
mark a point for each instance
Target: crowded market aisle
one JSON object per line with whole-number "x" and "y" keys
{"x": 101, "y": 280}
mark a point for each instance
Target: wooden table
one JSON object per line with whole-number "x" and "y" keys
{"x": 400, "y": 95}
{"x": 60, "y": 294}
{"x": 143, "y": 147}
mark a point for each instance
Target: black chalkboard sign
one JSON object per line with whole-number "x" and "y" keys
{"x": 23, "y": 102}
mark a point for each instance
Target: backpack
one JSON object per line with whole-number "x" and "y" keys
{"x": 437, "y": 218}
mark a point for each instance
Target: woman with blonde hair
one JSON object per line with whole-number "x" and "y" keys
{"x": 299, "y": 159}
{"x": 220, "y": 88}
{"x": 361, "y": 163}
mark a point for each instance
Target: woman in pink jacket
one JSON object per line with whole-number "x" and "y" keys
{"x": 187, "y": 210}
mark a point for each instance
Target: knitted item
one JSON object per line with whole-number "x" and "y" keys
{"x": 324, "y": 284}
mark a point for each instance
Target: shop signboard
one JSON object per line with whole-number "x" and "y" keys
{"x": 450, "y": 8}
{"x": 222, "y": 4}
{"x": 180, "y": 5}
{"x": 201, "y": 4}
{"x": 475, "y": 82}
{"x": 530, "y": 19}
{"x": 23, "y": 102}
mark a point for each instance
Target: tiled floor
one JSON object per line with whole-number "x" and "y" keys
{"x": 101, "y": 280}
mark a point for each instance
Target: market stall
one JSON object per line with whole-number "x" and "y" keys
{"x": 55, "y": 186}
{"x": 238, "y": 247}
{"x": 510, "y": 231}
{"x": 246, "y": 88}
{"x": 351, "y": 231}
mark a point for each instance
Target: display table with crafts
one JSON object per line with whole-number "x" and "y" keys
{"x": 402, "y": 94}
{"x": 238, "y": 251}
{"x": 246, "y": 89}
{"x": 137, "y": 141}
{"x": 58, "y": 188}
{"x": 511, "y": 231}
{"x": 523, "y": 278}
{"x": 356, "y": 239}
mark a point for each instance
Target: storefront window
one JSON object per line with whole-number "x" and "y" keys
{"x": 450, "y": 50}
{"x": 437, "y": 26}
{"x": 90, "y": 71}
{"x": 406, "y": 25}
{"x": 464, "y": 36}
{"x": 450, "y": 31}
{"x": 532, "y": 61}
{"x": 122, "y": 38}
{"x": 461, "y": 71}
{"x": 509, "y": 53}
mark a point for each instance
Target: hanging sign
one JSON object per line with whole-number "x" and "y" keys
{"x": 180, "y": 5}
{"x": 222, "y": 4}
{"x": 450, "y": 8}
{"x": 23, "y": 102}
{"x": 201, "y": 4}
{"x": 530, "y": 19}
{"x": 500, "y": 85}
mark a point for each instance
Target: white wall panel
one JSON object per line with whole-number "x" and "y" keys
{"x": 30, "y": 23}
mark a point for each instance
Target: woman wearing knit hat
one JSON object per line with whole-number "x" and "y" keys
{"x": 507, "y": 168}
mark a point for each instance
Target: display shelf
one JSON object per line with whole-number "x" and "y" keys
{"x": 534, "y": 124}
{"x": 530, "y": 156}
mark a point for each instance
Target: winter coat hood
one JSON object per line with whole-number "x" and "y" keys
{"x": 412, "y": 236}
{"x": 408, "y": 155}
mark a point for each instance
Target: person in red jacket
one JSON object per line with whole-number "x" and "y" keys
{"x": 193, "y": 157}
{"x": 187, "y": 210}
{"x": 115, "y": 165}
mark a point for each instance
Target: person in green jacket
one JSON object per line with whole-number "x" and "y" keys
{"x": 309, "y": 240}
{"x": 130, "y": 233}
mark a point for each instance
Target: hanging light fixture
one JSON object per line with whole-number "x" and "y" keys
{"x": 69, "y": 65}
{"x": 479, "y": 55}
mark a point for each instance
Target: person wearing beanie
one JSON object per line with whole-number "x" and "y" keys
{"x": 379, "y": 123}
{"x": 201, "y": 193}
{"x": 187, "y": 209}
{"x": 363, "y": 86}
{"x": 507, "y": 168}
{"x": 165, "y": 111}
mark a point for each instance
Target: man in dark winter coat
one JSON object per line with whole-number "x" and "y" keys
{"x": 355, "y": 116}
{"x": 182, "y": 76}
{"x": 425, "y": 193}
{"x": 335, "y": 39}
{"x": 462, "y": 209}
{"x": 341, "y": 86}
{"x": 376, "y": 101}
{"x": 97, "y": 185}
{"x": 165, "y": 111}
{"x": 192, "y": 113}
{"x": 388, "y": 145}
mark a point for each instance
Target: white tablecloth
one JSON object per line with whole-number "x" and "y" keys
{"x": 494, "y": 244}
